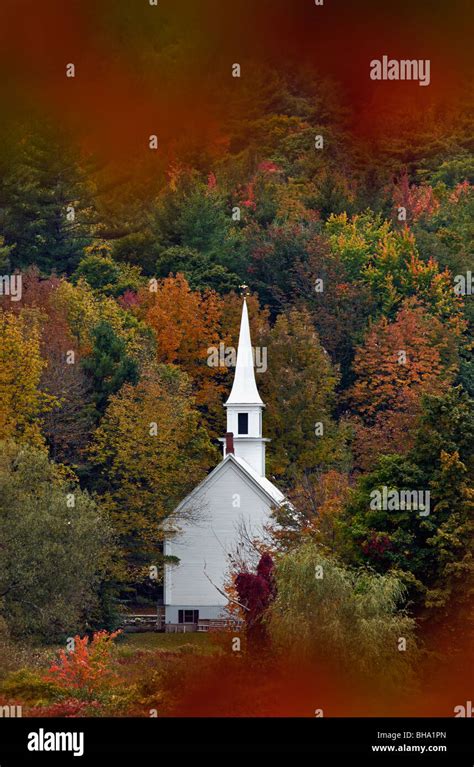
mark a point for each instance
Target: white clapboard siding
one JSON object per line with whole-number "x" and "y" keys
{"x": 205, "y": 542}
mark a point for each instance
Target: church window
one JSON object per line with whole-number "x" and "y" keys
{"x": 243, "y": 423}
{"x": 188, "y": 616}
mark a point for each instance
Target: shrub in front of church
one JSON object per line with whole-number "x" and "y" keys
{"x": 86, "y": 668}
{"x": 29, "y": 688}
{"x": 256, "y": 591}
{"x": 85, "y": 680}
{"x": 345, "y": 619}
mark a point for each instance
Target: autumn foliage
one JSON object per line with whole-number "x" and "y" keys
{"x": 87, "y": 668}
{"x": 398, "y": 363}
{"x": 112, "y": 399}
{"x": 255, "y": 592}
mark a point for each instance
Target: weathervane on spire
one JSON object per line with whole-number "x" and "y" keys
{"x": 244, "y": 290}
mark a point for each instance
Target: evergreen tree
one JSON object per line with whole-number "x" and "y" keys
{"x": 108, "y": 367}
{"x": 45, "y": 203}
{"x": 432, "y": 553}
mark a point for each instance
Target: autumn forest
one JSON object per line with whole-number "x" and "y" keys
{"x": 122, "y": 269}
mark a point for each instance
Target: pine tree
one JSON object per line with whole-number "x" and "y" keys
{"x": 108, "y": 367}
{"x": 45, "y": 203}
{"x": 432, "y": 554}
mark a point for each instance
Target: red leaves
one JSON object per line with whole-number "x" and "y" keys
{"x": 211, "y": 181}
{"x": 129, "y": 299}
{"x": 418, "y": 200}
{"x": 256, "y": 592}
{"x": 69, "y": 708}
{"x": 376, "y": 546}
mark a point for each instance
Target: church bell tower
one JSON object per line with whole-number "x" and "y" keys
{"x": 244, "y": 406}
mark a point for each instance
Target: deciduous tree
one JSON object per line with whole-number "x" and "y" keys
{"x": 21, "y": 366}
{"x": 398, "y": 363}
{"x": 149, "y": 451}
{"x": 55, "y": 547}
{"x": 298, "y": 389}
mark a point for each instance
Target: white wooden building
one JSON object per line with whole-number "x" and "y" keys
{"x": 236, "y": 495}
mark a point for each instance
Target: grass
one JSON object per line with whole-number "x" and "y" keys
{"x": 151, "y": 640}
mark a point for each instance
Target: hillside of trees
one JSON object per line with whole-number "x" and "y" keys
{"x": 357, "y": 260}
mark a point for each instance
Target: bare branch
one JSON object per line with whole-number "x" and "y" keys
{"x": 229, "y": 599}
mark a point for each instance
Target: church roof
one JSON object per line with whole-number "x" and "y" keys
{"x": 263, "y": 484}
{"x": 244, "y": 390}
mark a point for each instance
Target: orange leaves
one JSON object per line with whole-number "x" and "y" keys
{"x": 88, "y": 667}
{"x": 462, "y": 188}
{"x": 184, "y": 321}
{"x": 318, "y": 501}
{"x": 398, "y": 363}
{"x": 187, "y": 324}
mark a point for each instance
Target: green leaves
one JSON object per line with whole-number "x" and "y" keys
{"x": 347, "y": 618}
{"x": 299, "y": 390}
{"x": 433, "y": 554}
{"x": 53, "y": 552}
{"x": 109, "y": 366}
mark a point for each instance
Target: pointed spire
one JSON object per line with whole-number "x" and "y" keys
{"x": 244, "y": 390}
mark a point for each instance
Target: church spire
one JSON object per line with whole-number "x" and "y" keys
{"x": 244, "y": 389}
{"x": 244, "y": 406}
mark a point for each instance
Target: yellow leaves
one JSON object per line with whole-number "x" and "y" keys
{"x": 78, "y": 302}
{"x": 291, "y": 201}
{"x": 84, "y": 310}
{"x": 21, "y": 366}
{"x": 147, "y": 471}
{"x": 102, "y": 248}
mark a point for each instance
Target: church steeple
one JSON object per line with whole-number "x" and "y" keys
{"x": 244, "y": 406}
{"x": 244, "y": 389}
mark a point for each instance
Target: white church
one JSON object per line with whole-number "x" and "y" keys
{"x": 236, "y": 495}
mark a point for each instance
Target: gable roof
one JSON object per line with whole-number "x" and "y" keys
{"x": 268, "y": 487}
{"x": 262, "y": 484}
